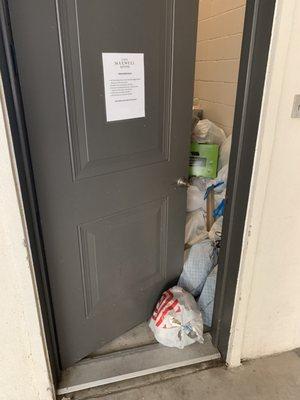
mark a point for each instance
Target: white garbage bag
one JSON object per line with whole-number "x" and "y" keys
{"x": 206, "y": 299}
{"x": 195, "y": 227}
{"x": 220, "y": 183}
{"x": 224, "y": 153}
{"x": 215, "y": 233}
{"x": 197, "y": 192}
{"x": 195, "y": 199}
{"x": 201, "y": 260}
{"x": 201, "y": 183}
{"x": 176, "y": 320}
{"x": 207, "y": 132}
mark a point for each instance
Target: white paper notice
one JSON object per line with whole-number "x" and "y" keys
{"x": 124, "y": 84}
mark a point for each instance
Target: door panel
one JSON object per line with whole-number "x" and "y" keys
{"x": 111, "y": 215}
{"x": 86, "y": 32}
{"x": 107, "y": 245}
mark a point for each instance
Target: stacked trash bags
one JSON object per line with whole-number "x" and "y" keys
{"x": 179, "y": 316}
{"x": 205, "y": 209}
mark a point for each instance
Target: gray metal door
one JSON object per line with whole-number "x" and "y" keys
{"x": 111, "y": 215}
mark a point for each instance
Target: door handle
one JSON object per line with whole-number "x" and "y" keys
{"x": 183, "y": 182}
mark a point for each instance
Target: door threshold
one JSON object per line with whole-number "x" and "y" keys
{"x": 133, "y": 363}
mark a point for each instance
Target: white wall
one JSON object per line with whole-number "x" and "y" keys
{"x": 24, "y": 372}
{"x": 267, "y": 309}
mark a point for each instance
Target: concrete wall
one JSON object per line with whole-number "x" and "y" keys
{"x": 24, "y": 370}
{"x": 267, "y": 309}
{"x": 219, "y": 39}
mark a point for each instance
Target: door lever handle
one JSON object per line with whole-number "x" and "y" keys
{"x": 183, "y": 182}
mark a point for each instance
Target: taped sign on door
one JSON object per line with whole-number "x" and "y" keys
{"x": 124, "y": 85}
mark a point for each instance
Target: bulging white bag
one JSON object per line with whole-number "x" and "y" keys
{"x": 207, "y": 297}
{"x": 220, "y": 182}
{"x": 202, "y": 258}
{"x": 176, "y": 320}
{"x": 224, "y": 153}
{"x": 195, "y": 227}
{"x": 207, "y": 132}
{"x": 215, "y": 234}
{"x": 201, "y": 183}
{"x": 195, "y": 199}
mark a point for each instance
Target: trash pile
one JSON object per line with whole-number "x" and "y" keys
{"x": 179, "y": 316}
{"x": 205, "y": 209}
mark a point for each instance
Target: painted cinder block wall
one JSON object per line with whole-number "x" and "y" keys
{"x": 219, "y": 38}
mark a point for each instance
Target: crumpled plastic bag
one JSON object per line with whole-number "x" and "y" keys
{"x": 195, "y": 199}
{"x": 176, "y": 320}
{"x": 215, "y": 234}
{"x": 201, "y": 183}
{"x": 207, "y": 297}
{"x": 220, "y": 183}
{"x": 224, "y": 153}
{"x": 207, "y": 132}
{"x": 201, "y": 260}
{"x": 195, "y": 227}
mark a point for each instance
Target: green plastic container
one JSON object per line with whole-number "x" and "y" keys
{"x": 204, "y": 160}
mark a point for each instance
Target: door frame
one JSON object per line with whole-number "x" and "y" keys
{"x": 253, "y": 63}
{"x": 15, "y": 113}
{"x": 257, "y": 33}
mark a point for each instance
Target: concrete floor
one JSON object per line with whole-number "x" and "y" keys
{"x": 141, "y": 335}
{"x": 272, "y": 378}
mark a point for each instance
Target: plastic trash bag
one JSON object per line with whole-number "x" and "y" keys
{"x": 195, "y": 199}
{"x": 201, "y": 183}
{"x": 218, "y": 185}
{"x": 195, "y": 227}
{"x": 207, "y": 132}
{"x": 197, "y": 192}
{"x": 220, "y": 182}
{"x": 206, "y": 299}
{"x": 201, "y": 260}
{"x": 215, "y": 233}
{"x": 197, "y": 113}
{"x": 224, "y": 153}
{"x": 176, "y": 320}
{"x": 219, "y": 210}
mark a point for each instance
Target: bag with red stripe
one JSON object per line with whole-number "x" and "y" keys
{"x": 176, "y": 320}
